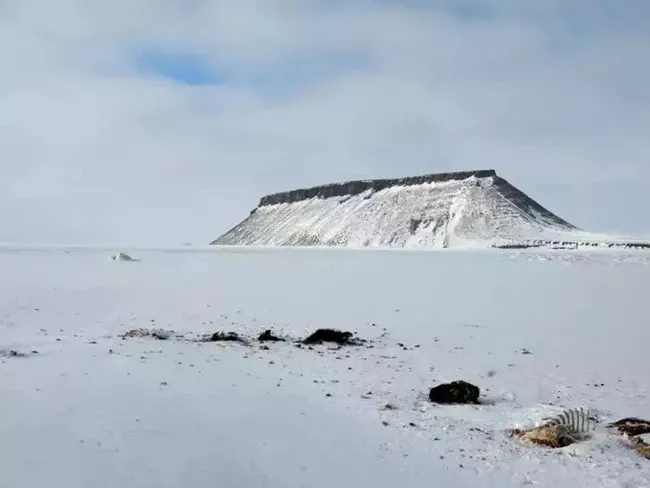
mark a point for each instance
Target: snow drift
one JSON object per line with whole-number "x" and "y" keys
{"x": 432, "y": 211}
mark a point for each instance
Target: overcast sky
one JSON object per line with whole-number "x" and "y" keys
{"x": 162, "y": 122}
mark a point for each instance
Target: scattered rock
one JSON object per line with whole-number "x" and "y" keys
{"x": 159, "y": 334}
{"x": 342, "y": 338}
{"x": 267, "y": 336}
{"x": 11, "y": 353}
{"x": 456, "y": 392}
{"x": 476, "y": 429}
{"x": 224, "y": 337}
{"x": 390, "y": 406}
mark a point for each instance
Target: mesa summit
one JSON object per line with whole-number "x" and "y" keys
{"x": 444, "y": 210}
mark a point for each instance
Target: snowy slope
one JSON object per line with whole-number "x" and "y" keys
{"x": 432, "y": 212}
{"x": 91, "y": 409}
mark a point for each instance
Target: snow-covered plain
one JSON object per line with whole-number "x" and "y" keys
{"x": 92, "y": 409}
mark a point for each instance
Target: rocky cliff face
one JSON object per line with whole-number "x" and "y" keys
{"x": 351, "y": 188}
{"x": 439, "y": 210}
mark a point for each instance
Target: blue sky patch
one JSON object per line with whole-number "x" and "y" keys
{"x": 183, "y": 68}
{"x": 285, "y": 78}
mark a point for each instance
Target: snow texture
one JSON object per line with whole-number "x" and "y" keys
{"x": 537, "y": 331}
{"x": 434, "y": 211}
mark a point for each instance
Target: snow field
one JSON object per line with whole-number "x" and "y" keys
{"x": 92, "y": 409}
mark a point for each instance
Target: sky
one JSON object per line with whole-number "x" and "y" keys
{"x": 163, "y": 122}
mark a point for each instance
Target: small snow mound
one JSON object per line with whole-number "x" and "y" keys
{"x": 120, "y": 256}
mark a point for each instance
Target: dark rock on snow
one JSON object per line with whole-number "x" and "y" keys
{"x": 454, "y": 393}
{"x": 267, "y": 336}
{"x": 224, "y": 337}
{"x": 343, "y": 338}
{"x": 159, "y": 334}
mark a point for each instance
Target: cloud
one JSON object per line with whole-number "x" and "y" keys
{"x": 161, "y": 122}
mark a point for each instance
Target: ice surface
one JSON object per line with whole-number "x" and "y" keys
{"x": 177, "y": 413}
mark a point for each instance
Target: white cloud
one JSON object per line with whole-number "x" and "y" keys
{"x": 311, "y": 92}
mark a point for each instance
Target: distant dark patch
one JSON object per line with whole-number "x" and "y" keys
{"x": 267, "y": 336}
{"x": 572, "y": 245}
{"x": 159, "y": 334}
{"x": 390, "y": 406}
{"x": 342, "y": 338}
{"x": 12, "y": 353}
{"x": 413, "y": 225}
{"x": 224, "y": 337}
{"x": 120, "y": 256}
{"x": 456, "y": 392}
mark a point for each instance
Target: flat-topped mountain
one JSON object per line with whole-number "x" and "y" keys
{"x": 472, "y": 208}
